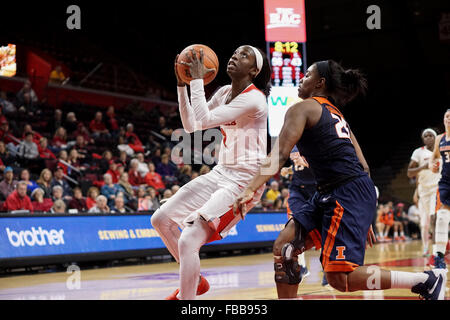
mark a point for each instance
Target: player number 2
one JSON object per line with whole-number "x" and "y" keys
{"x": 342, "y": 129}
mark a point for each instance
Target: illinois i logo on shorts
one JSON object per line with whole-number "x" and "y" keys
{"x": 340, "y": 251}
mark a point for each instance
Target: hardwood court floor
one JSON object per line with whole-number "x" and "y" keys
{"x": 231, "y": 278}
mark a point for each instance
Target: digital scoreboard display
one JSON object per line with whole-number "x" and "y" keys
{"x": 286, "y": 59}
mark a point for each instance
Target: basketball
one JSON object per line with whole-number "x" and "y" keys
{"x": 210, "y": 61}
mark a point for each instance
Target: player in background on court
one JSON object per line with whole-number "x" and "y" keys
{"x": 338, "y": 217}
{"x": 427, "y": 183}
{"x": 203, "y": 207}
{"x": 301, "y": 188}
{"x": 442, "y": 152}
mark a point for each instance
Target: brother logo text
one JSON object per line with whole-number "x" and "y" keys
{"x": 41, "y": 237}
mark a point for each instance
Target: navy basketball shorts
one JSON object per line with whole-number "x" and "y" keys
{"x": 298, "y": 196}
{"x": 443, "y": 193}
{"x": 339, "y": 221}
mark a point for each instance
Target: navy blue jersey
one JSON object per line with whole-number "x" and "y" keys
{"x": 444, "y": 149}
{"x": 328, "y": 148}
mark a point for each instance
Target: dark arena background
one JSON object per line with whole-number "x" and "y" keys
{"x": 117, "y": 61}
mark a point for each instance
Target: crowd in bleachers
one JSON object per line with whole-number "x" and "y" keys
{"x": 83, "y": 158}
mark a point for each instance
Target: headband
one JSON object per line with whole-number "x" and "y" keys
{"x": 259, "y": 59}
{"x": 323, "y": 68}
{"x": 429, "y": 130}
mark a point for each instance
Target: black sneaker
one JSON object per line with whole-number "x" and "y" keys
{"x": 434, "y": 287}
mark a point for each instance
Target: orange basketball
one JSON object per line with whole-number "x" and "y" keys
{"x": 210, "y": 61}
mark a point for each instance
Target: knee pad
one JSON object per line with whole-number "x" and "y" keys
{"x": 287, "y": 269}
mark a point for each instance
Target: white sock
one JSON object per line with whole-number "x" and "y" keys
{"x": 402, "y": 233}
{"x": 441, "y": 230}
{"x": 395, "y": 234}
{"x": 301, "y": 260}
{"x": 406, "y": 280}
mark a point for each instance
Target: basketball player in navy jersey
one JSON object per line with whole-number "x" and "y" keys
{"x": 442, "y": 151}
{"x": 339, "y": 215}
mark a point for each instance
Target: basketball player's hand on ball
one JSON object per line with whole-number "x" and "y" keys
{"x": 240, "y": 205}
{"x": 180, "y": 83}
{"x": 196, "y": 66}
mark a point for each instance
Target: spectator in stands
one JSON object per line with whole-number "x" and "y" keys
{"x": 27, "y": 89}
{"x": 78, "y": 202}
{"x": 57, "y": 194}
{"x": 107, "y": 156}
{"x": 7, "y": 136}
{"x": 58, "y": 180}
{"x": 113, "y": 171}
{"x": 74, "y": 160}
{"x": 175, "y": 188}
{"x": 45, "y": 182}
{"x": 166, "y": 195}
{"x": 56, "y": 121}
{"x": 71, "y": 124}
{"x": 44, "y": 151}
{"x": 81, "y": 147}
{"x": 5, "y": 156}
{"x": 133, "y": 145}
{"x": 154, "y": 198}
{"x": 27, "y": 149}
{"x": 185, "y": 174}
{"x": 27, "y": 106}
{"x": 143, "y": 166}
{"x": 156, "y": 157}
{"x": 98, "y": 127}
{"x": 109, "y": 189}
{"x": 59, "y": 140}
{"x": 7, "y": 106}
{"x": 204, "y": 169}
{"x": 164, "y": 129}
{"x": 59, "y": 206}
{"x": 127, "y": 190}
{"x": 62, "y": 163}
{"x": 36, "y": 135}
{"x": 135, "y": 178}
{"x": 111, "y": 122}
{"x": 57, "y": 76}
{"x": 123, "y": 160}
{"x": 18, "y": 199}
{"x": 2, "y": 165}
{"x": 119, "y": 205}
{"x": 31, "y": 184}
{"x": 194, "y": 175}
{"x": 92, "y": 194}
{"x": 40, "y": 204}
{"x": 273, "y": 193}
{"x": 399, "y": 217}
{"x": 101, "y": 205}
{"x": 8, "y": 184}
{"x": 130, "y": 133}
{"x": 166, "y": 170}
{"x": 154, "y": 179}
{"x": 84, "y": 131}
{"x": 144, "y": 200}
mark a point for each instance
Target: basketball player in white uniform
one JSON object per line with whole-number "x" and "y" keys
{"x": 427, "y": 184}
{"x": 202, "y": 208}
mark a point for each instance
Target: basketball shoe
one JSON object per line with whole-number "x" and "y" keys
{"x": 203, "y": 287}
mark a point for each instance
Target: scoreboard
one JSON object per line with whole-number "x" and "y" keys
{"x": 286, "y": 59}
{"x": 286, "y": 49}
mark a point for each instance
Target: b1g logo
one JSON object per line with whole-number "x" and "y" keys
{"x": 40, "y": 237}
